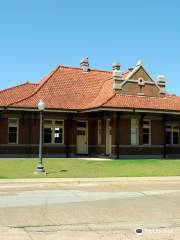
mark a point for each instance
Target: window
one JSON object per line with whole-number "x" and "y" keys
{"x": 175, "y": 133}
{"x": 172, "y": 134}
{"x": 134, "y": 131}
{"x": 146, "y": 132}
{"x": 58, "y": 135}
{"x": 141, "y": 82}
{"x": 168, "y": 134}
{"x": 99, "y": 131}
{"x": 81, "y": 124}
{"x": 81, "y": 132}
{"x": 48, "y": 134}
{"x": 53, "y": 131}
{"x": 12, "y": 130}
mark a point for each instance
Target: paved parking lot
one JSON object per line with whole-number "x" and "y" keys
{"x": 90, "y": 209}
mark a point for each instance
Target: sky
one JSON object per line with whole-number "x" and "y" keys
{"x": 37, "y": 35}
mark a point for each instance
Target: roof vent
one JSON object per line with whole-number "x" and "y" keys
{"x": 85, "y": 64}
{"x": 161, "y": 82}
{"x": 116, "y": 66}
{"x": 141, "y": 82}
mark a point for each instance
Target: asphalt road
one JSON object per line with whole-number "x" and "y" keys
{"x": 90, "y": 210}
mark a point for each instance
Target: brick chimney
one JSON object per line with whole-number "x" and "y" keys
{"x": 117, "y": 76}
{"x": 85, "y": 64}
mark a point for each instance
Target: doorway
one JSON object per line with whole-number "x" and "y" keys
{"x": 82, "y": 137}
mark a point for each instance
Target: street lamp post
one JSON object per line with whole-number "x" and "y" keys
{"x": 40, "y": 167}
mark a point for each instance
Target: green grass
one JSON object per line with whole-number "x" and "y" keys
{"x": 72, "y": 167}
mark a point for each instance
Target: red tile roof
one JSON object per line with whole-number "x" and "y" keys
{"x": 69, "y": 88}
{"x": 13, "y": 94}
{"x": 168, "y": 103}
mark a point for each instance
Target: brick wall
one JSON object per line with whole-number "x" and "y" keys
{"x": 3, "y": 130}
{"x": 125, "y": 131}
{"x": 134, "y": 88}
{"x": 29, "y": 137}
{"x": 157, "y": 132}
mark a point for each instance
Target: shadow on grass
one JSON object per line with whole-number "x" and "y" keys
{"x": 61, "y": 171}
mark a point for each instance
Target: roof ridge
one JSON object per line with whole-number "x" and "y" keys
{"x": 46, "y": 78}
{"x": 99, "y": 92}
{"x": 108, "y": 99}
{"x": 91, "y": 69}
{"x": 172, "y": 94}
{"x": 127, "y": 71}
{"x": 13, "y": 87}
{"x": 39, "y": 87}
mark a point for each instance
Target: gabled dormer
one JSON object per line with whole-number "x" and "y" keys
{"x": 138, "y": 82}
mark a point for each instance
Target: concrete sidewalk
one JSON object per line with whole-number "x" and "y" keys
{"x": 90, "y": 208}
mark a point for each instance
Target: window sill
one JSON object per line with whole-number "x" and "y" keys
{"x": 173, "y": 145}
{"x": 53, "y": 144}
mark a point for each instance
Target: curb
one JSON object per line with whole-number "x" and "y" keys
{"x": 93, "y": 180}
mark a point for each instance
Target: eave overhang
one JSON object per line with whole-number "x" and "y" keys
{"x": 98, "y": 109}
{"x": 37, "y": 110}
{"x": 130, "y": 110}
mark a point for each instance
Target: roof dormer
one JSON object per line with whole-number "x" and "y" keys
{"x": 137, "y": 81}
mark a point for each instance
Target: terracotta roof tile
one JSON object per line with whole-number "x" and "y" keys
{"x": 13, "y": 94}
{"x": 170, "y": 103}
{"x": 67, "y": 88}
{"x": 71, "y": 88}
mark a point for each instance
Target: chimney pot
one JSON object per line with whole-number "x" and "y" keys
{"x": 116, "y": 66}
{"x": 85, "y": 64}
{"x": 161, "y": 82}
{"x": 117, "y": 76}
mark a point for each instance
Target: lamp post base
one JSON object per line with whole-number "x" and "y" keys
{"x": 40, "y": 169}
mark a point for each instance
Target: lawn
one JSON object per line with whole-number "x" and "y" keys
{"x": 73, "y": 167}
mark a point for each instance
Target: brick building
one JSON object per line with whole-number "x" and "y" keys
{"x": 89, "y": 111}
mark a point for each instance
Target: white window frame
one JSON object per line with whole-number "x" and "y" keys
{"x": 99, "y": 132}
{"x": 147, "y": 126}
{"x": 53, "y": 125}
{"x": 172, "y": 130}
{"x": 14, "y": 125}
{"x": 135, "y": 125}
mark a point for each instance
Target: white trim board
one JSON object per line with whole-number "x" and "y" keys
{"x": 130, "y": 110}
{"x": 37, "y": 110}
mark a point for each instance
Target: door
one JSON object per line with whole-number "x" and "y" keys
{"x": 82, "y": 137}
{"x": 108, "y": 137}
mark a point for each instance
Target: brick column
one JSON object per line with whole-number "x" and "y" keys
{"x": 68, "y": 125}
{"x": 141, "y": 129}
{"x": 117, "y": 134}
{"x": 164, "y": 136}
